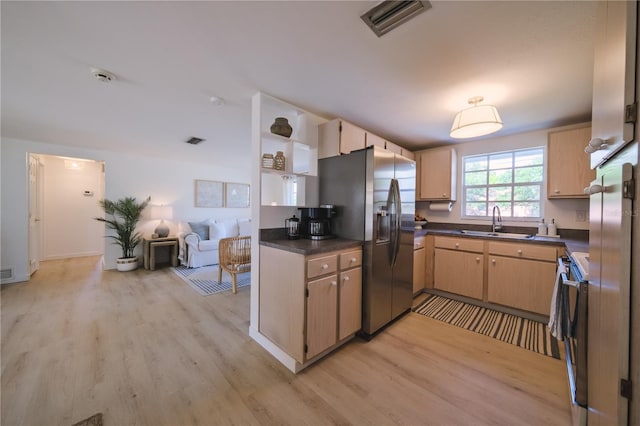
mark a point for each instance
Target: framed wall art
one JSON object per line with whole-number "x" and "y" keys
{"x": 209, "y": 193}
{"x": 236, "y": 194}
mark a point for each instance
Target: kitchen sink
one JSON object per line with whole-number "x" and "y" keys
{"x": 498, "y": 234}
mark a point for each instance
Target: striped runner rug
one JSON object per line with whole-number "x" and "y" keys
{"x": 527, "y": 334}
{"x": 204, "y": 280}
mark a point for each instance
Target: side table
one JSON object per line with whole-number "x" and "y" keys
{"x": 149, "y": 249}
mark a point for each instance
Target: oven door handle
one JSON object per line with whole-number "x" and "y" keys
{"x": 565, "y": 277}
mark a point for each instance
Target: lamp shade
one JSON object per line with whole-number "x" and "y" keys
{"x": 479, "y": 120}
{"x": 162, "y": 213}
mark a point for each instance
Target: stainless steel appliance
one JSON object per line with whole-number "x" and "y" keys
{"x": 315, "y": 222}
{"x": 374, "y": 194}
{"x": 574, "y": 277}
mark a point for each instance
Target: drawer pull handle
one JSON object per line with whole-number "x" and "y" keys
{"x": 325, "y": 266}
{"x": 334, "y": 283}
{"x": 493, "y": 261}
{"x": 457, "y": 245}
{"x": 353, "y": 260}
{"x": 519, "y": 251}
{"x": 477, "y": 259}
{"x": 346, "y": 278}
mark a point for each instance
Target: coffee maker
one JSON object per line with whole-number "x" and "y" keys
{"x": 315, "y": 222}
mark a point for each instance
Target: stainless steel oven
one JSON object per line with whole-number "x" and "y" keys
{"x": 575, "y": 285}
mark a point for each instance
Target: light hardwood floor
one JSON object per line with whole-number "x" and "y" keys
{"x": 145, "y": 349}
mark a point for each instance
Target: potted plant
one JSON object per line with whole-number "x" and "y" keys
{"x": 123, "y": 216}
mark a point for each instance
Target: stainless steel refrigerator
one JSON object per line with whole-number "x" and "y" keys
{"x": 374, "y": 194}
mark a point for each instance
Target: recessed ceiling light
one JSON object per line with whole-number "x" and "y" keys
{"x": 216, "y": 100}
{"x": 102, "y": 75}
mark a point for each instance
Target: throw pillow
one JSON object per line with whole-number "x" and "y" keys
{"x": 200, "y": 228}
{"x": 244, "y": 227}
{"x": 216, "y": 231}
{"x": 230, "y": 227}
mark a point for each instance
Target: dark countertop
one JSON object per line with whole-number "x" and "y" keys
{"x": 307, "y": 247}
{"x": 572, "y": 243}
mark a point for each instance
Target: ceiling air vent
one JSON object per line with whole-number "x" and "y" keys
{"x": 194, "y": 141}
{"x": 390, "y": 14}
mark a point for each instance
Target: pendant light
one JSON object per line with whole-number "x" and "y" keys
{"x": 479, "y": 120}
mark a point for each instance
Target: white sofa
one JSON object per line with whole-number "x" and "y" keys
{"x": 199, "y": 240}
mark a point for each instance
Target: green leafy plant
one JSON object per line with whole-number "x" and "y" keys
{"x": 122, "y": 217}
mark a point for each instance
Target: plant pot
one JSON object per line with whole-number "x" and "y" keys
{"x": 124, "y": 264}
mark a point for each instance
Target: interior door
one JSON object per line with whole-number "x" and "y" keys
{"x": 35, "y": 213}
{"x": 609, "y": 292}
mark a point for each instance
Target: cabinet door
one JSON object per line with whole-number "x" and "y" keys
{"x": 396, "y": 149}
{"x": 568, "y": 170}
{"x": 459, "y": 272}
{"x": 374, "y": 140}
{"x": 520, "y": 283}
{"x": 322, "y": 315}
{"x": 437, "y": 175}
{"x": 351, "y": 138}
{"x": 418, "y": 269}
{"x": 350, "y": 313}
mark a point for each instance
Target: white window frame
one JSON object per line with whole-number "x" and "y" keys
{"x": 541, "y": 184}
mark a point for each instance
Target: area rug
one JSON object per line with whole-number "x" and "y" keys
{"x": 204, "y": 280}
{"x": 527, "y": 334}
{"x": 95, "y": 420}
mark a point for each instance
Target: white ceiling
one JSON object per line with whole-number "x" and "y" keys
{"x": 533, "y": 60}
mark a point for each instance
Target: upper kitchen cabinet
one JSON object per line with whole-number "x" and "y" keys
{"x": 436, "y": 177}
{"x": 614, "y": 110}
{"x": 568, "y": 170}
{"x": 339, "y": 137}
{"x": 288, "y": 162}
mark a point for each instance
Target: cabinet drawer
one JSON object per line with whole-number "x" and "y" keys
{"x": 322, "y": 265}
{"x": 350, "y": 259}
{"x": 462, "y": 244}
{"x": 418, "y": 242}
{"x": 525, "y": 251}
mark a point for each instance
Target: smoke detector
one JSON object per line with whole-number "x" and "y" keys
{"x": 102, "y": 75}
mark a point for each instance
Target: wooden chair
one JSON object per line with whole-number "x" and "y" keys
{"x": 235, "y": 257}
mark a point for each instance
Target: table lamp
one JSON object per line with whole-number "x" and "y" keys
{"x": 162, "y": 213}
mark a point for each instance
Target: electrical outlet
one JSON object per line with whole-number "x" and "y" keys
{"x": 581, "y": 215}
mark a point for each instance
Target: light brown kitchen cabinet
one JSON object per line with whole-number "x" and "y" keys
{"x": 429, "y": 261}
{"x": 419, "y": 264}
{"x": 436, "y": 177}
{"x": 337, "y": 137}
{"x": 568, "y": 169}
{"x": 459, "y": 266}
{"x": 315, "y": 305}
{"x": 521, "y": 275}
{"x": 375, "y": 140}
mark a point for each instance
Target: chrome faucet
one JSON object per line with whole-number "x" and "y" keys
{"x": 496, "y": 225}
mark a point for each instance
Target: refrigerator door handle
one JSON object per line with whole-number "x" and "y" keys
{"x": 395, "y": 191}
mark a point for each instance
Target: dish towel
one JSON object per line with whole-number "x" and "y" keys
{"x": 558, "y": 324}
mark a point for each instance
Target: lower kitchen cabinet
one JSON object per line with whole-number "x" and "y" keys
{"x": 521, "y": 284}
{"x": 309, "y": 304}
{"x": 521, "y": 276}
{"x": 459, "y": 266}
{"x": 419, "y": 264}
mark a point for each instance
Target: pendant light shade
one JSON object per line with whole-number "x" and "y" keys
{"x": 479, "y": 120}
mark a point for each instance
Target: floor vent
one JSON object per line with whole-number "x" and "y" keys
{"x": 6, "y": 273}
{"x": 390, "y": 14}
{"x": 194, "y": 141}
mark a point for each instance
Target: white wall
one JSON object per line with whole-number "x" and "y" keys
{"x": 565, "y": 212}
{"x": 166, "y": 181}
{"x": 69, "y": 228}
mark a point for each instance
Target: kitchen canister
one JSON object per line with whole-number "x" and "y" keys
{"x": 279, "y": 161}
{"x": 267, "y": 161}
